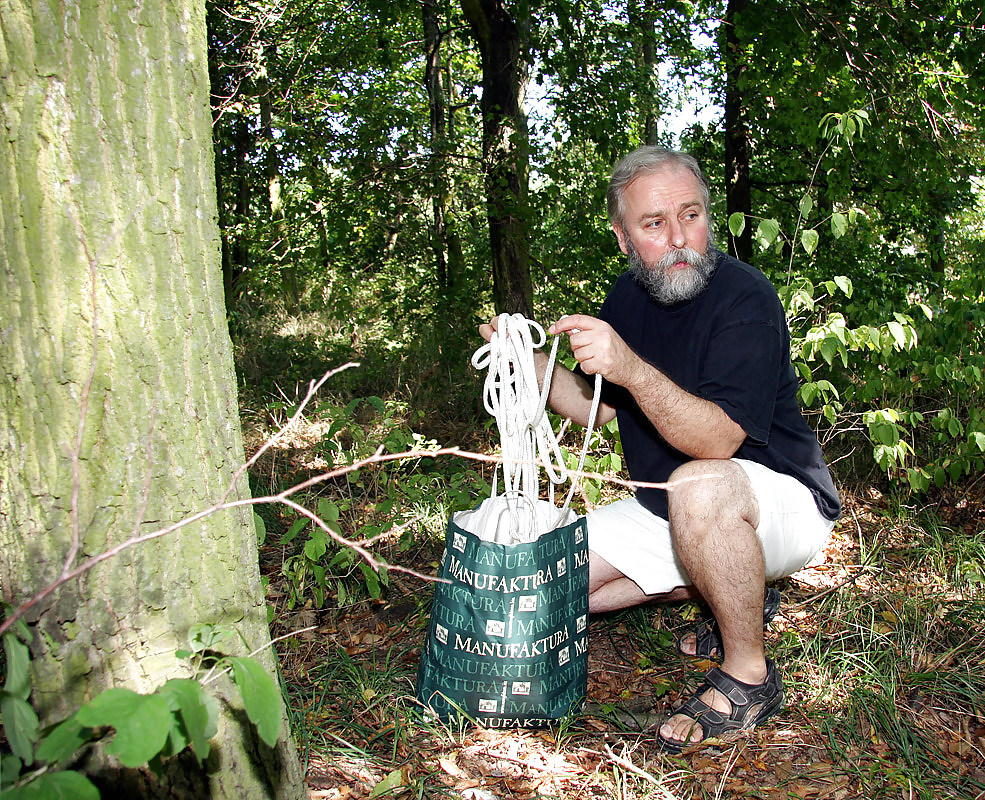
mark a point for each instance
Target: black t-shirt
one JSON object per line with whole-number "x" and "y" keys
{"x": 730, "y": 345}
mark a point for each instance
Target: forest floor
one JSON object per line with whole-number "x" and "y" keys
{"x": 880, "y": 648}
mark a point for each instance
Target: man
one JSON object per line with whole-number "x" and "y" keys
{"x": 694, "y": 352}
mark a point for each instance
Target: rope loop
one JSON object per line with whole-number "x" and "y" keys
{"x": 512, "y": 396}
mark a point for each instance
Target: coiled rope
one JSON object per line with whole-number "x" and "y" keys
{"x": 514, "y": 399}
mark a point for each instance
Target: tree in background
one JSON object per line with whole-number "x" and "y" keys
{"x": 912, "y": 71}
{"x": 505, "y": 147}
{"x": 118, "y": 404}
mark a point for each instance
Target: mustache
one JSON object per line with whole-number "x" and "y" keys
{"x": 688, "y": 255}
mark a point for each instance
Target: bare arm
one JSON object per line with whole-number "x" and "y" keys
{"x": 695, "y": 426}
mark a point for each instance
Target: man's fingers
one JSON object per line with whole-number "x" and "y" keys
{"x": 573, "y": 324}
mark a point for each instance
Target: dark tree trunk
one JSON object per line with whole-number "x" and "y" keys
{"x": 643, "y": 16}
{"x": 505, "y": 152}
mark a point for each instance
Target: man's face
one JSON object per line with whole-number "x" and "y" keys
{"x": 665, "y": 233}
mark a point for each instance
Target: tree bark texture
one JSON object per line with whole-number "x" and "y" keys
{"x": 505, "y": 145}
{"x": 118, "y": 408}
{"x": 643, "y": 17}
{"x": 738, "y": 190}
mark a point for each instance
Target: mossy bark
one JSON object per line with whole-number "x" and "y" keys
{"x": 118, "y": 407}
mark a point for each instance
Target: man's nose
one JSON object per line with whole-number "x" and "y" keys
{"x": 677, "y": 238}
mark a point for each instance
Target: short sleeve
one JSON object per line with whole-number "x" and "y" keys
{"x": 741, "y": 374}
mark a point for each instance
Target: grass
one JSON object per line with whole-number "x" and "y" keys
{"x": 880, "y": 648}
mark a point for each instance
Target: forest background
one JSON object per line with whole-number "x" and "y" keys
{"x": 390, "y": 174}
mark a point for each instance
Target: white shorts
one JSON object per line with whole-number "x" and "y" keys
{"x": 637, "y": 542}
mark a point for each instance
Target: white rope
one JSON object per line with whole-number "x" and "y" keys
{"x": 511, "y": 395}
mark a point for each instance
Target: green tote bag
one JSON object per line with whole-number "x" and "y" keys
{"x": 507, "y": 643}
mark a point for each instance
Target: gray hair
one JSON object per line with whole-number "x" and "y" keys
{"x": 643, "y": 161}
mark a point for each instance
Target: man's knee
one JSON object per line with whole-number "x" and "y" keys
{"x": 711, "y": 491}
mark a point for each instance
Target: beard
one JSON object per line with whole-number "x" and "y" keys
{"x": 668, "y": 286}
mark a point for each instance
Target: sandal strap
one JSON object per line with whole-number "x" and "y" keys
{"x": 768, "y": 696}
{"x": 741, "y": 694}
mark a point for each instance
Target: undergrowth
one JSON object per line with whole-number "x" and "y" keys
{"x": 879, "y": 648}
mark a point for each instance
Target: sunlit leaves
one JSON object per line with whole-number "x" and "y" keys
{"x": 843, "y": 127}
{"x": 809, "y": 239}
{"x": 767, "y": 232}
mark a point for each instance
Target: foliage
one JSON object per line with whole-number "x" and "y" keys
{"x": 891, "y": 373}
{"x": 146, "y": 728}
{"x": 864, "y": 142}
{"x": 393, "y": 500}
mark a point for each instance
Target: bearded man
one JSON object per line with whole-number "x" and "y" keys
{"x": 694, "y": 351}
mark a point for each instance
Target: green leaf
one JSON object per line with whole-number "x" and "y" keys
{"x": 845, "y": 284}
{"x": 885, "y": 433}
{"x": 55, "y": 786}
{"x": 977, "y": 438}
{"x": 372, "y": 580}
{"x": 63, "y": 741}
{"x": 10, "y": 769}
{"x": 766, "y": 232}
{"x": 192, "y": 702}
{"x": 294, "y": 530}
{"x": 806, "y": 206}
{"x": 316, "y": 545}
{"x": 809, "y": 239}
{"x": 392, "y": 781}
{"x": 737, "y": 223}
{"x": 839, "y": 225}
{"x": 261, "y": 697}
{"x": 206, "y": 636}
{"x": 142, "y": 723}
{"x": 898, "y": 332}
{"x": 327, "y": 510}
{"x": 18, "y": 682}
{"x": 261, "y": 528}
{"x": 20, "y": 723}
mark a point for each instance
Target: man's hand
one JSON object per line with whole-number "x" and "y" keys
{"x": 689, "y": 423}
{"x": 599, "y": 349}
{"x": 486, "y": 329}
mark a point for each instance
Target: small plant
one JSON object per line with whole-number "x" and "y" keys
{"x": 146, "y": 728}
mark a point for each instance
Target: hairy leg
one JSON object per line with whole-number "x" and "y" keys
{"x": 610, "y": 590}
{"x": 713, "y": 522}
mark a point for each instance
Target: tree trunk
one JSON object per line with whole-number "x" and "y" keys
{"x": 505, "y": 148}
{"x": 444, "y": 239}
{"x": 643, "y": 17}
{"x": 118, "y": 408}
{"x": 738, "y": 192}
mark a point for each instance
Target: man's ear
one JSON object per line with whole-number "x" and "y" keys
{"x": 620, "y": 233}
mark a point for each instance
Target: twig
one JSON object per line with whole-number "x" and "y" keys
{"x": 210, "y": 677}
{"x": 621, "y": 762}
